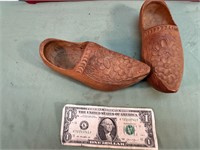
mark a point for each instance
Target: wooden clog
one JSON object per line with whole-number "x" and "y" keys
{"x": 161, "y": 46}
{"x": 92, "y": 64}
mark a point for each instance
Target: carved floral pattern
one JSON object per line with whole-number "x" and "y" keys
{"x": 111, "y": 67}
{"x": 165, "y": 57}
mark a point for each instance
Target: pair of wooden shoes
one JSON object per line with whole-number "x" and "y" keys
{"x": 103, "y": 69}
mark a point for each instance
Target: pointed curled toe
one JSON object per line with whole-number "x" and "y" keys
{"x": 161, "y": 46}
{"x": 92, "y": 64}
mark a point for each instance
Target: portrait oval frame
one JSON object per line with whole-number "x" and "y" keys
{"x": 101, "y": 128}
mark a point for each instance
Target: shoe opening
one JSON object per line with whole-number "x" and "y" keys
{"x": 64, "y": 54}
{"x": 156, "y": 14}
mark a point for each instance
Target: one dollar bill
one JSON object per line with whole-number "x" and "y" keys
{"x": 108, "y": 127}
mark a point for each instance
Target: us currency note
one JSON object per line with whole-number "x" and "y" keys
{"x": 108, "y": 127}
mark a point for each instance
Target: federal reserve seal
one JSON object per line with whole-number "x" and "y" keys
{"x": 84, "y": 125}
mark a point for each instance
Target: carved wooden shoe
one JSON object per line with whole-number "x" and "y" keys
{"x": 92, "y": 64}
{"x": 161, "y": 46}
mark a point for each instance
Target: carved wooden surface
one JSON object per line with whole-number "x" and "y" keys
{"x": 111, "y": 67}
{"x": 165, "y": 54}
{"x": 92, "y": 64}
{"x": 161, "y": 46}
